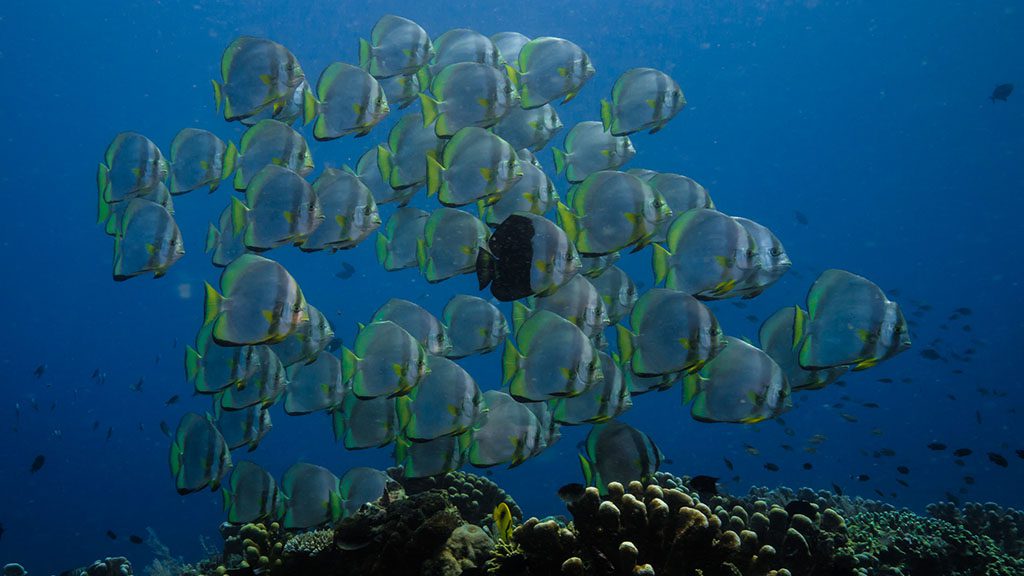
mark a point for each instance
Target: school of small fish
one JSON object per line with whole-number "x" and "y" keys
{"x": 487, "y": 105}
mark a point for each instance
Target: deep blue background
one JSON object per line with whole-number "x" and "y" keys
{"x": 872, "y": 119}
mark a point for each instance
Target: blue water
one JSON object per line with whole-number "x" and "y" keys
{"x": 870, "y": 118}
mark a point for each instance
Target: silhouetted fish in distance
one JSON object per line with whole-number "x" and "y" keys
{"x": 1001, "y": 92}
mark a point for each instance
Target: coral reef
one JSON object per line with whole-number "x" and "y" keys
{"x": 1005, "y": 526}
{"x": 639, "y": 529}
{"x": 254, "y": 546}
{"x": 900, "y": 542}
{"x": 114, "y": 566}
{"x": 14, "y": 569}
{"x": 474, "y": 496}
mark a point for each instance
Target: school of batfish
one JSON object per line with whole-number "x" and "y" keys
{"x": 487, "y": 105}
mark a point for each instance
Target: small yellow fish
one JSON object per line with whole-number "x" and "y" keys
{"x": 503, "y": 522}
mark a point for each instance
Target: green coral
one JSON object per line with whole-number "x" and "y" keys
{"x": 899, "y": 542}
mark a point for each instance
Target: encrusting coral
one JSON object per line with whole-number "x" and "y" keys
{"x": 474, "y": 496}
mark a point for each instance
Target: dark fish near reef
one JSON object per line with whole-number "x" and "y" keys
{"x": 1001, "y": 92}
{"x": 961, "y": 452}
{"x": 771, "y": 467}
{"x": 111, "y": 535}
{"x": 39, "y": 371}
{"x": 861, "y": 477}
{"x": 37, "y": 464}
{"x": 110, "y": 432}
{"x": 346, "y": 272}
{"x": 135, "y": 539}
{"x": 903, "y": 470}
{"x": 165, "y": 428}
{"x": 802, "y": 507}
{"x": 937, "y": 446}
{"x": 998, "y": 459}
{"x": 902, "y": 482}
{"x": 571, "y": 492}
{"x": 728, "y": 463}
{"x": 931, "y": 354}
{"x": 969, "y": 480}
{"x": 172, "y": 400}
{"x": 704, "y": 484}
{"x": 801, "y": 218}
{"x": 837, "y": 489}
{"x": 807, "y": 466}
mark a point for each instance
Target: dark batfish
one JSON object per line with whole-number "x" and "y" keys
{"x": 37, "y": 464}
{"x": 807, "y": 466}
{"x": 937, "y": 446}
{"x": 1001, "y": 92}
{"x": 801, "y": 218}
{"x": 998, "y": 459}
{"x": 571, "y": 492}
{"x": 111, "y": 535}
{"x": 802, "y": 507}
{"x": 704, "y": 484}
{"x": 346, "y": 272}
{"x": 771, "y": 467}
{"x": 961, "y": 452}
{"x": 135, "y": 539}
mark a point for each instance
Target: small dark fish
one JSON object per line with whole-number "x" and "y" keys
{"x": 902, "y": 482}
{"x": 1020, "y": 453}
{"x": 998, "y": 459}
{"x": 142, "y": 427}
{"x": 135, "y": 539}
{"x": 95, "y": 425}
{"x": 951, "y": 397}
{"x": 870, "y": 405}
{"x": 887, "y": 452}
{"x": 789, "y": 431}
{"x": 931, "y": 354}
{"x": 771, "y": 467}
{"x": 861, "y": 477}
{"x": 885, "y": 380}
{"x": 111, "y": 535}
{"x": 740, "y": 305}
{"x": 95, "y": 373}
{"x": 977, "y": 416}
{"x": 752, "y": 450}
{"x": 53, "y": 405}
{"x": 728, "y": 463}
{"x": 1001, "y": 92}
{"x": 848, "y": 417}
{"x": 838, "y": 405}
{"x": 880, "y": 493}
{"x": 786, "y": 447}
{"x": 801, "y": 218}
{"x": 705, "y": 484}
{"x": 837, "y": 489}
{"x": 807, "y": 466}
{"x": 801, "y": 507}
{"x": 39, "y": 371}
{"x": 952, "y": 498}
{"x": 961, "y": 452}
{"x": 2, "y": 531}
{"x": 137, "y": 387}
{"x": 959, "y": 462}
{"x": 165, "y": 428}
{"x": 964, "y": 311}
{"x": 175, "y": 343}
{"x": 156, "y": 362}
{"x": 346, "y": 272}
{"x": 966, "y": 328}
{"x": 937, "y": 446}
{"x": 969, "y": 480}
{"x": 172, "y": 400}
{"x": 110, "y": 432}
{"x": 37, "y": 464}
{"x": 571, "y": 492}
{"x": 752, "y": 319}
